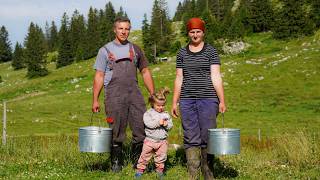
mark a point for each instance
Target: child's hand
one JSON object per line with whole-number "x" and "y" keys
{"x": 161, "y": 122}
{"x": 165, "y": 123}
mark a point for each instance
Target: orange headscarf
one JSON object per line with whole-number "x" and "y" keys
{"x": 195, "y": 23}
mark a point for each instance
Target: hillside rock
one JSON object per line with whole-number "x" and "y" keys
{"x": 234, "y": 47}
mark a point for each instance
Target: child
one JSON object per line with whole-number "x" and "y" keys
{"x": 157, "y": 123}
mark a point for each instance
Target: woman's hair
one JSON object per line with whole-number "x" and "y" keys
{"x": 159, "y": 96}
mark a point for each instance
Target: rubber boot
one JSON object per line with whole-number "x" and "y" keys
{"x": 136, "y": 149}
{"x": 116, "y": 158}
{"x": 207, "y": 164}
{"x": 193, "y": 162}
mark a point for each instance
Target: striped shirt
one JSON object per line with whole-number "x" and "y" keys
{"x": 197, "y": 82}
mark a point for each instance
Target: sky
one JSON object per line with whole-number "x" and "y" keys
{"x": 16, "y": 15}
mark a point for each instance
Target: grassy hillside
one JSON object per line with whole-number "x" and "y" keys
{"x": 273, "y": 86}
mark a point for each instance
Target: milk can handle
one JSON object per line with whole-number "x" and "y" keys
{"x": 92, "y": 118}
{"x": 222, "y": 120}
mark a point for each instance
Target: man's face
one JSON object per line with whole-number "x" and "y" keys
{"x": 196, "y": 35}
{"x": 122, "y": 31}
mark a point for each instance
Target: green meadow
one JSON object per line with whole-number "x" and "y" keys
{"x": 272, "y": 89}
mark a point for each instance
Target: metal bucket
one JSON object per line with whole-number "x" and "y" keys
{"x": 95, "y": 139}
{"x": 224, "y": 141}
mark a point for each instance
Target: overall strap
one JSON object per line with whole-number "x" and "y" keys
{"x": 110, "y": 58}
{"x": 132, "y": 54}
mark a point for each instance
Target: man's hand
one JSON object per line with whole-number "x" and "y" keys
{"x": 95, "y": 107}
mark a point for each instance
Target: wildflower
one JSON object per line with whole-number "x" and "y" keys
{"x": 109, "y": 120}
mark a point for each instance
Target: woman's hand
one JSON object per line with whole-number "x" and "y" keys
{"x": 222, "y": 107}
{"x": 174, "y": 111}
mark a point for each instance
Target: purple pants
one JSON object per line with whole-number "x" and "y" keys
{"x": 198, "y": 115}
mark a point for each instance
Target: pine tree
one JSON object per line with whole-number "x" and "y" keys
{"x": 5, "y": 46}
{"x": 160, "y": 27}
{"x": 179, "y": 12}
{"x": 103, "y": 28}
{"x": 121, "y": 13}
{"x": 233, "y": 20}
{"x": 77, "y": 35}
{"x": 235, "y": 28}
{"x": 65, "y": 48}
{"x": 18, "y": 58}
{"x": 213, "y": 29}
{"x": 110, "y": 17}
{"x": 93, "y": 36}
{"x": 260, "y": 15}
{"x": 35, "y": 52}
{"x": 54, "y": 39}
{"x": 47, "y": 35}
{"x": 146, "y": 40}
{"x": 201, "y": 6}
{"x": 315, "y": 13}
{"x": 189, "y": 12}
{"x": 215, "y": 7}
{"x": 292, "y": 21}
{"x": 220, "y": 8}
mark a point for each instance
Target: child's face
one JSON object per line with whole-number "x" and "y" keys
{"x": 159, "y": 106}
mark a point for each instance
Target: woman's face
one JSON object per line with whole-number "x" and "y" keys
{"x": 196, "y": 36}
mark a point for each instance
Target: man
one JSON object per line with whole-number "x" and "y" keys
{"x": 116, "y": 68}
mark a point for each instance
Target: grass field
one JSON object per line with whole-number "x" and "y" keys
{"x": 272, "y": 87}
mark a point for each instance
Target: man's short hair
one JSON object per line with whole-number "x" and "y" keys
{"x": 121, "y": 19}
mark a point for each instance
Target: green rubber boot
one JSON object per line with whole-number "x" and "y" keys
{"x": 207, "y": 164}
{"x": 193, "y": 162}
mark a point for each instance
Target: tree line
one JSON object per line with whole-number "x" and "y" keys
{"x": 79, "y": 38}
{"x": 233, "y": 19}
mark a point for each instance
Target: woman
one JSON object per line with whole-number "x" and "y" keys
{"x": 198, "y": 86}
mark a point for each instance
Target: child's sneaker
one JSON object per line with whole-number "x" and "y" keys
{"x": 138, "y": 175}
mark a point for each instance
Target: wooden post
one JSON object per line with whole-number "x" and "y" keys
{"x": 259, "y": 134}
{"x": 4, "y": 125}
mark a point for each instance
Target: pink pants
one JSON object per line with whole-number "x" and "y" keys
{"x": 150, "y": 147}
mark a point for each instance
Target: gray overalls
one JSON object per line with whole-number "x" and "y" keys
{"x": 124, "y": 102}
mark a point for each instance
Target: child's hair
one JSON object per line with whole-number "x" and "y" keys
{"x": 159, "y": 96}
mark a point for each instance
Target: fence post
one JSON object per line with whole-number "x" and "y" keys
{"x": 4, "y": 125}
{"x": 259, "y": 134}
